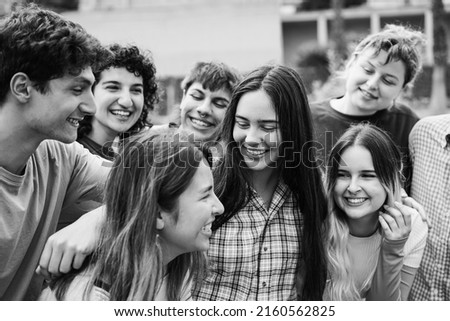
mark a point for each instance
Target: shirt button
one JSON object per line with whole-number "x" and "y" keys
{"x": 264, "y": 284}
{"x": 265, "y": 248}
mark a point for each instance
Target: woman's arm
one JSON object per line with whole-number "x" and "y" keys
{"x": 407, "y": 278}
{"x": 396, "y": 226}
{"x": 387, "y": 278}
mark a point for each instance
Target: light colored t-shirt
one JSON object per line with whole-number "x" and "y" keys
{"x": 364, "y": 252}
{"x": 56, "y": 175}
{"x": 75, "y": 291}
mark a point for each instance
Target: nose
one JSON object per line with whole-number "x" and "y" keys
{"x": 372, "y": 82}
{"x": 88, "y": 106}
{"x": 218, "y": 208}
{"x": 253, "y": 136}
{"x": 204, "y": 108}
{"x": 125, "y": 99}
{"x": 354, "y": 187}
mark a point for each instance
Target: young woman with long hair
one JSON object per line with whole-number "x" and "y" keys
{"x": 375, "y": 243}
{"x": 270, "y": 238}
{"x": 160, "y": 205}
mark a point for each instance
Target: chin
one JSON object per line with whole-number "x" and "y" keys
{"x": 202, "y": 136}
{"x": 65, "y": 140}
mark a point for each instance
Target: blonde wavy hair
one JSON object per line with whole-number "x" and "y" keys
{"x": 387, "y": 161}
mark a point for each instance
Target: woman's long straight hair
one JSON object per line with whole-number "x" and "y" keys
{"x": 387, "y": 163}
{"x": 148, "y": 176}
{"x": 298, "y": 166}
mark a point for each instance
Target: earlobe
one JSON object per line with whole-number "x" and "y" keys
{"x": 159, "y": 223}
{"x": 20, "y": 87}
{"x": 160, "y": 220}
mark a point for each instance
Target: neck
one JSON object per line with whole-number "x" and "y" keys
{"x": 265, "y": 183}
{"x": 345, "y": 106}
{"x": 17, "y": 142}
{"x": 101, "y": 134}
{"x": 363, "y": 227}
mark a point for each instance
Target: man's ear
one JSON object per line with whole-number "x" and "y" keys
{"x": 20, "y": 85}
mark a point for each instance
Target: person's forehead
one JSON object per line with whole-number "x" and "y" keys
{"x": 120, "y": 74}
{"x": 85, "y": 75}
{"x": 222, "y": 92}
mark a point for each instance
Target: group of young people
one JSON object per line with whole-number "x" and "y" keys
{"x": 234, "y": 203}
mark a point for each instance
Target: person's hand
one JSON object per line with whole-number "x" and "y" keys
{"x": 411, "y": 202}
{"x": 396, "y": 221}
{"x": 66, "y": 249}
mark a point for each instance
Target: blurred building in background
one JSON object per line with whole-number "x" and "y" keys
{"x": 241, "y": 33}
{"x": 313, "y": 27}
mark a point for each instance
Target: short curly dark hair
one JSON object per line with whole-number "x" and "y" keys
{"x": 138, "y": 63}
{"x": 45, "y": 46}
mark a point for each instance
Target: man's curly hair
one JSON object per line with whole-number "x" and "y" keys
{"x": 45, "y": 46}
{"x": 138, "y": 63}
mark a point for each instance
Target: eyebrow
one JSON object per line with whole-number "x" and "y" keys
{"x": 84, "y": 81}
{"x": 363, "y": 171}
{"x": 389, "y": 75}
{"x": 206, "y": 189}
{"x": 263, "y": 121}
{"x": 115, "y": 82}
{"x": 221, "y": 98}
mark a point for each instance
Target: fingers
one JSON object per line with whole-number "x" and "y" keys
{"x": 396, "y": 221}
{"x": 406, "y": 212}
{"x": 383, "y": 223}
{"x": 395, "y": 217}
{"x": 411, "y": 202}
{"x": 78, "y": 260}
{"x": 44, "y": 262}
{"x": 54, "y": 262}
{"x": 58, "y": 258}
{"x": 65, "y": 263}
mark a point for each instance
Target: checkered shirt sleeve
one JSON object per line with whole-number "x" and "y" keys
{"x": 254, "y": 255}
{"x": 430, "y": 148}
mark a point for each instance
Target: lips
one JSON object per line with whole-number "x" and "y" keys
{"x": 253, "y": 152}
{"x": 200, "y": 123}
{"x": 368, "y": 95}
{"x": 207, "y": 229}
{"x": 122, "y": 114}
{"x": 355, "y": 201}
{"x": 74, "y": 121}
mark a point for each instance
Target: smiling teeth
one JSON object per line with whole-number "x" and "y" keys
{"x": 121, "y": 113}
{"x": 207, "y": 228}
{"x": 255, "y": 152}
{"x": 200, "y": 122}
{"x": 356, "y": 200}
{"x": 73, "y": 121}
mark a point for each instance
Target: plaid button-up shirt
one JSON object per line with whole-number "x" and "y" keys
{"x": 254, "y": 255}
{"x": 430, "y": 148}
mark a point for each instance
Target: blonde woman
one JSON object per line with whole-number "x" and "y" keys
{"x": 375, "y": 243}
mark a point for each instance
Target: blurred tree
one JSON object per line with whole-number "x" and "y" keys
{"x": 339, "y": 42}
{"x": 438, "y": 99}
{"x": 55, "y": 5}
{"x": 314, "y": 66}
